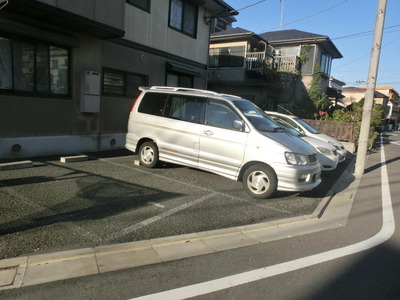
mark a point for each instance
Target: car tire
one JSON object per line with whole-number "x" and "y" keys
{"x": 148, "y": 154}
{"x": 260, "y": 181}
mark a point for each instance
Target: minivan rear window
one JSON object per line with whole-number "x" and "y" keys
{"x": 153, "y": 104}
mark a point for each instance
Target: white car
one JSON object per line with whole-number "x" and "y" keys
{"x": 222, "y": 134}
{"x": 308, "y": 130}
{"x": 326, "y": 153}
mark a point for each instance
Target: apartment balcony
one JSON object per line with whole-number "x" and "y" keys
{"x": 289, "y": 64}
{"x": 258, "y": 62}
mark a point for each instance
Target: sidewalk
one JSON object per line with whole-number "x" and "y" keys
{"x": 332, "y": 212}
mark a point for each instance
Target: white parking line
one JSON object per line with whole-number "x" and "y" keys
{"x": 383, "y": 235}
{"x": 155, "y": 204}
{"x": 264, "y": 205}
{"x": 158, "y": 217}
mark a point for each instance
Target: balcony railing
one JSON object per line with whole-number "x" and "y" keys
{"x": 287, "y": 63}
{"x": 258, "y": 61}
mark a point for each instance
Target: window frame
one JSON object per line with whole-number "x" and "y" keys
{"x": 180, "y": 78}
{"x": 325, "y": 64}
{"x": 125, "y": 75}
{"x": 38, "y": 47}
{"x": 181, "y": 26}
{"x": 226, "y": 59}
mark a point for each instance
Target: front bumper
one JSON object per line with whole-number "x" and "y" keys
{"x": 298, "y": 178}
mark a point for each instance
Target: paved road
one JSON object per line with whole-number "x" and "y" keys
{"x": 359, "y": 260}
{"x": 56, "y": 206}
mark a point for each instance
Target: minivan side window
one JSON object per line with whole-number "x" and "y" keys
{"x": 153, "y": 104}
{"x": 220, "y": 115}
{"x": 185, "y": 108}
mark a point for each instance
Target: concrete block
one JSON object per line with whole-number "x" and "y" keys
{"x": 16, "y": 165}
{"x": 76, "y": 158}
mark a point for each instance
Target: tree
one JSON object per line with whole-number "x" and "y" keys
{"x": 314, "y": 92}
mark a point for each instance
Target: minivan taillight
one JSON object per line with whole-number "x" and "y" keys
{"x": 134, "y": 102}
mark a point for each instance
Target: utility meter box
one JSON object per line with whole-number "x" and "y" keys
{"x": 90, "y": 92}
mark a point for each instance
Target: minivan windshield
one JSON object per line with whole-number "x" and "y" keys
{"x": 307, "y": 126}
{"x": 288, "y": 127}
{"x": 257, "y": 117}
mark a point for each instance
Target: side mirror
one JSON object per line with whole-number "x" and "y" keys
{"x": 238, "y": 125}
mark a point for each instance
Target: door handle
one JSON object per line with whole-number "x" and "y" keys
{"x": 208, "y": 132}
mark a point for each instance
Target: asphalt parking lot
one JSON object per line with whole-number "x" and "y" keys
{"x": 107, "y": 199}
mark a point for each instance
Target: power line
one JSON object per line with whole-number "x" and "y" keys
{"x": 361, "y": 33}
{"x": 312, "y": 15}
{"x": 361, "y": 57}
{"x": 250, "y": 5}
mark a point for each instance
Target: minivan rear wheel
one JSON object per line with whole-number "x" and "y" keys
{"x": 260, "y": 181}
{"x": 148, "y": 154}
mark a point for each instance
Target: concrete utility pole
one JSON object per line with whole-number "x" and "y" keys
{"x": 371, "y": 84}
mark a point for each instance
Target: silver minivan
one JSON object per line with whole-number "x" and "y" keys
{"x": 222, "y": 134}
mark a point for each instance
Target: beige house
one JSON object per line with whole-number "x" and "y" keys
{"x": 356, "y": 94}
{"x": 273, "y": 69}
{"x": 296, "y": 50}
{"x": 388, "y": 97}
{"x": 70, "y": 69}
{"x": 382, "y": 95}
{"x": 241, "y": 63}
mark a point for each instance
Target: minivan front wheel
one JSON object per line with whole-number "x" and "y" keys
{"x": 260, "y": 181}
{"x": 148, "y": 154}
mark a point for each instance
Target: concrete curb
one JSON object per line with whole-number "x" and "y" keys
{"x": 332, "y": 212}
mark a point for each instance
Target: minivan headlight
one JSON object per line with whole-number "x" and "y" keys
{"x": 296, "y": 159}
{"x": 324, "y": 151}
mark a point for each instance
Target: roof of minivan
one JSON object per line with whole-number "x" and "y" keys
{"x": 184, "y": 90}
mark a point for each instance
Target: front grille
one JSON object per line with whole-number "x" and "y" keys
{"x": 312, "y": 158}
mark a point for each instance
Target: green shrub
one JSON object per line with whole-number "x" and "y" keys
{"x": 354, "y": 115}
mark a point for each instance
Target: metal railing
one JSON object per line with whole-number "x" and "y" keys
{"x": 287, "y": 63}
{"x": 258, "y": 61}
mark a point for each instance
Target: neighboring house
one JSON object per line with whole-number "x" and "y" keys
{"x": 70, "y": 69}
{"x": 271, "y": 69}
{"x": 393, "y": 97}
{"x": 299, "y": 51}
{"x": 356, "y": 94}
{"x": 241, "y": 63}
{"x": 334, "y": 92}
{"x": 387, "y": 96}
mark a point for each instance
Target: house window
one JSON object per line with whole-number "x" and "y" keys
{"x": 33, "y": 67}
{"x": 122, "y": 83}
{"x": 326, "y": 63}
{"x": 179, "y": 80}
{"x": 288, "y": 51}
{"x": 142, "y": 4}
{"x": 221, "y": 25}
{"x": 227, "y": 57}
{"x": 183, "y": 16}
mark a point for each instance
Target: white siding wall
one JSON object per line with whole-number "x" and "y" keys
{"x": 152, "y": 30}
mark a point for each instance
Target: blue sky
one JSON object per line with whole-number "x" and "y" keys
{"x": 348, "y": 23}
